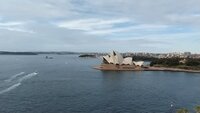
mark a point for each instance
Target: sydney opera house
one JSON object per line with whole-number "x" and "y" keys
{"x": 115, "y": 61}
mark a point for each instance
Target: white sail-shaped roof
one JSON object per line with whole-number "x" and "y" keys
{"x": 117, "y": 59}
{"x": 138, "y": 63}
{"x": 107, "y": 58}
{"x": 128, "y": 61}
{"x": 112, "y": 58}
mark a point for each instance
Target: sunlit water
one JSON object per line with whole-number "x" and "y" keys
{"x": 68, "y": 84}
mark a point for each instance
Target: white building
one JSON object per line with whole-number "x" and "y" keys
{"x": 117, "y": 59}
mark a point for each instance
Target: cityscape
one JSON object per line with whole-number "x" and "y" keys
{"x": 165, "y": 55}
{"x": 143, "y": 54}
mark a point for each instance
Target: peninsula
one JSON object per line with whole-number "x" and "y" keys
{"x": 116, "y": 62}
{"x": 17, "y": 53}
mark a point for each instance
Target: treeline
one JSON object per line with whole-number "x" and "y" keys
{"x": 166, "y": 61}
{"x": 17, "y": 53}
{"x": 193, "y": 62}
{"x": 142, "y": 58}
{"x": 175, "y": 62}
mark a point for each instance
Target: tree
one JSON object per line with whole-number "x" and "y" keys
{"x": 192, "y": 62}
{"x": 166, "y": 61}
{"x": 183, "y": 110}
{"x": 197, "y": 109}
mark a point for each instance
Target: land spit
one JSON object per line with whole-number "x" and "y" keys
{"x": 113, "y": 67}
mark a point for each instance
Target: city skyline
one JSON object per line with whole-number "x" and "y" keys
{"x": 100, "y": 26}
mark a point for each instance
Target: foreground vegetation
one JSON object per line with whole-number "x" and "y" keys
{"x": 183, "y": 110}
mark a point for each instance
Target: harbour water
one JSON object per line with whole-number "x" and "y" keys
{"x": 69, "y": 84}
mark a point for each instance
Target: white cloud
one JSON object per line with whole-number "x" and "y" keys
{"x": 107, "y": 31}
{"x": 97, "y": 26}
{"x": 34, "y": 9}
{"x": 94, "y": 25}
{"x": 188, "y": 19}
{"x": 97, "y": 21}
{"x": 15, "y": 26}
{"x": 17, "y": 29}
{"x": 11, "y": 23}
{"x": 91, "y": 24}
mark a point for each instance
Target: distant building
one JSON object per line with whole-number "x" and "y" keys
{"x": 187, "y": 53}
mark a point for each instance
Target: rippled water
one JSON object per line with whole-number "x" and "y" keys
{"x": 68, "y": 84}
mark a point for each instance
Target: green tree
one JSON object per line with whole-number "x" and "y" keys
{"x": 183, "y": 110}
{"x": 192, "y": 62}
{"x": 197, "y": 109}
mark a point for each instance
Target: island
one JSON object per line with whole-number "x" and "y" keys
{"x": 17, "y": 53}
{"x": 88, "y": 55}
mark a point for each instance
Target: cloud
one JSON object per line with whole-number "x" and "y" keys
{"x": 11, "y": 24}
{"x": 95, "y": 26}
{"x": 92, "y": 25}
{"x": 37, "y": 9}
{"x": 188, "y": 19}
{"x": 126, "y": 29}
{"x": 145, "y": 11}
{"x": 89, "y": 25}
{"x": 15, "y": 26}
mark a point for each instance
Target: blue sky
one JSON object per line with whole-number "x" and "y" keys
{"x": 100, "y": 25}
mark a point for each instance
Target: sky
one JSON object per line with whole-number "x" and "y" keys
{"x": 100, "y": 25}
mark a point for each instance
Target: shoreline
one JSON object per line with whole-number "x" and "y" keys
{"x": 171, "y": 69}
{"x": 111, "y": 67}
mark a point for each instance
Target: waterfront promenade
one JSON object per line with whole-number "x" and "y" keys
{"x": 112, "y": 67}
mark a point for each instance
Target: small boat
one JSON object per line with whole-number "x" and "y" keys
{"x": 47, "y": 57}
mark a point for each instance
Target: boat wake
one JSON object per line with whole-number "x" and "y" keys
{"x": 14, "y": 81}
{"x": 10, "y": 88}
{"x": 28, "y": 76}
{"x": 14, "y": 76}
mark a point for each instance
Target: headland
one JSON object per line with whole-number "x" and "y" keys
{"x": 112, "y": 67}
{"x": 116, "y": 62}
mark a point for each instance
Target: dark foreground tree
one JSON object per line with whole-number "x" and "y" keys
{"x": 183, "y": 110}
{"x": 197, "y": 109}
